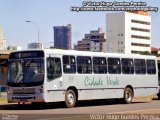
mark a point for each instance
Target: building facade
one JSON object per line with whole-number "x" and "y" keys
{"x": 94, "y": 41}
{"x": 35, "y": 45}
{"x": 128, "y": 32}
{"x": 2, "y": 40}
{"x": 62, "y": 37}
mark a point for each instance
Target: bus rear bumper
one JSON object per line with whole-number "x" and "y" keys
{"x": 25, "y": 98}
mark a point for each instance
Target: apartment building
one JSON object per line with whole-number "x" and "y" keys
{"x": 128, "y": 32}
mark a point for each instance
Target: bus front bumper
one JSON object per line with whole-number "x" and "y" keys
{"x": 25, "y": 98}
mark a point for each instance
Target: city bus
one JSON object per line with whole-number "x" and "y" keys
{"x": 55, "y": 75}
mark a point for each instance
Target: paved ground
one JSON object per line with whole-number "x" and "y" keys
{"x": 85, "y": 110}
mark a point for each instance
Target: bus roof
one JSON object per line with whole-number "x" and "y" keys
{"x": 98, "y": 54}
{"x": 89, "y": 53}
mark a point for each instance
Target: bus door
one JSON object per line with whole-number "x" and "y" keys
{"x": 54, "y": 73}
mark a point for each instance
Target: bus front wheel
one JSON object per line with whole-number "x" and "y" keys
{"x": 70, "y": 98}
{"x": 128, "y": 95}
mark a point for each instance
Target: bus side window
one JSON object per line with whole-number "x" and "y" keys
{"x": 127, "y": 66}
{"x": 114, "y": 66}
{"x": 151, "y": 67}
{"x": 84, "y": 65}
{"x": 99, "y": 65}
{"x": 69, "y": 64}
{"x": 140, "y": 66}
{"x": 53, "y": 68}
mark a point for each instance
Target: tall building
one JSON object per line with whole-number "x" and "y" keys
{"x": 94, "y": 41}
{"x": 62, "y": 37}
{"x": 128, "y": 32}
{"x": 2, "y": 40}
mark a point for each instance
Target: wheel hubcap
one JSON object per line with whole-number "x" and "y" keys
{"x": 70, "y": 99}
{"x": 128, "y": 96}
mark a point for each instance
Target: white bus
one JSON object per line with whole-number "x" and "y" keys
{"x": 53, "y": 75}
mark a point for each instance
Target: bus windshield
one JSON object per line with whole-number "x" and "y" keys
{"x": 25, "y": 71}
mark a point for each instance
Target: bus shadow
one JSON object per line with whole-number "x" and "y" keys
{"x": 103, "y": 102}
{"x": 155, "y": 99}
{"x": 59, "y": 105}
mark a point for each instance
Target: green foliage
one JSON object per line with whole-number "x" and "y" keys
{"x": 146, "y": 53}
{"x": 9, "y": 48}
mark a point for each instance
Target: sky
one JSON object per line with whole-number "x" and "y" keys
{"x": 49, "y": 13}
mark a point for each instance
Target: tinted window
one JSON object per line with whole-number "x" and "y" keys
{"x": 127, "y": 66}
{"x": 26, "y": 54}
{"x": 69, "y": 64}
{"x": 140, "y": 66}
{"x": 151, "y": 67}
{"x": 114, "y": 66}
{"x": 84, "y": 64}
{"x": 53, "y": 68}
{"x": 99, "y": 65}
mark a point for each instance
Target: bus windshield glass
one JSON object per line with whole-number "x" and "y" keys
{"x": 25, "y": 71}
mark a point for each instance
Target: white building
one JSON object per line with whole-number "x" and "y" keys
{"x": 16, "y": 48}
{"x": 2, "y": 40}
{"x": 128, "y": 32}
{"x": 35, "y": 45}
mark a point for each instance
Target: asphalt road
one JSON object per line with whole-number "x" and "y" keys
{"x": 98, "y": 109}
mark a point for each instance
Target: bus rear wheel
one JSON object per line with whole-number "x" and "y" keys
{"x": 70, "y": 98}
{"x": 128, "y": 95}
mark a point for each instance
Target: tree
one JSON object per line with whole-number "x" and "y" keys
{"x": 146, "y": 53}
{"x": 9, "y": 48}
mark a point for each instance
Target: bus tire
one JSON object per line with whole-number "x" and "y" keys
{"x": 128, "y": 95}
{"x": 70, "y": 98}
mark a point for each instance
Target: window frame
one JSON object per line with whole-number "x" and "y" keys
{"x": 85, "y": 68}
{"x": 128, "y": 67}
{"x": 153, "y": 71}
{"x": 142, "y": 72}
{"x": 54, "y": 76}
{"x": 72, "y": 66}
{"x": 113, "y": 70}
{"x": 100, "y": 66}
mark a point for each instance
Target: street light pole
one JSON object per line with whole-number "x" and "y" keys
{"x": 47, "y": 44}
{"x": 36, "y": 26}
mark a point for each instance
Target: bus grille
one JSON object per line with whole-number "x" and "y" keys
{"x": 24, "y": 91}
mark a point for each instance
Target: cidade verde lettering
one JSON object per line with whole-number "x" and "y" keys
{"x": 93, "y": 82}
{"x": 112, "y": 81}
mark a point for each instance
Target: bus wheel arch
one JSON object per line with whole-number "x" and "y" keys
{"x": 71, "y": 97}
{"x": 128, "y": 94}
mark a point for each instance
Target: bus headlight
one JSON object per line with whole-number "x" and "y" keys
{"x": 9, "y": 90}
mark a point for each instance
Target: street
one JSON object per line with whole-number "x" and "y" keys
{"x": 85, "y": 110}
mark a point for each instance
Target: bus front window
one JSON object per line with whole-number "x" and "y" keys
{"x": 26, "y": 71}
{"x": 16, "y": 74}
{"x": 34, "y": 71}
